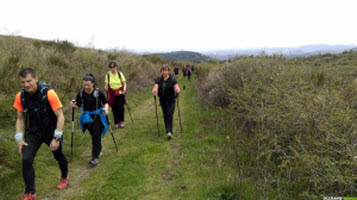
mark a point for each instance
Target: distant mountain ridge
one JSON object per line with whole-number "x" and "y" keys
{"x": 302, "y": 51}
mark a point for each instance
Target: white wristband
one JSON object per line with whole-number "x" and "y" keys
{"x": 18, "y": 136}
{"x": 58, "y": 134}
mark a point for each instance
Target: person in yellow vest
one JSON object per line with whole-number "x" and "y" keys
{"x": 115, "y": 85}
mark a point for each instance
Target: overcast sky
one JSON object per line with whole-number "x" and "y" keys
{"x": 160, "y": 25}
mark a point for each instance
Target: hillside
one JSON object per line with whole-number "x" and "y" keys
{"x": 184, "y": 56}
{"x": 254, "y": 127}
{"x": 190, "y": 166}
{"x": 292, "y": 121}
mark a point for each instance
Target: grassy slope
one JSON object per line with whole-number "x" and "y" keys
{"x": 146, "y": 167}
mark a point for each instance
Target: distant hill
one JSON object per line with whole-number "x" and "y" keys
{"x": 184, "y": 56}
{"x": 302, "y": 51}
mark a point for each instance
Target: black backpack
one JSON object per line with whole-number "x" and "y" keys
{"x": 44, "y": 89}
{"x": 109, "y": 77}
{"x": 95, "y": 94}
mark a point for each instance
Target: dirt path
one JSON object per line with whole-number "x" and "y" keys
{"x": 80, "y": 173}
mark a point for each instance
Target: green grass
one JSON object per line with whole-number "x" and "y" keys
{"x": 146, "y": 166}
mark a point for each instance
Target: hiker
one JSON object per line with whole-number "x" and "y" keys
{"x": 38, "y": 105}
{"x": 189, "y": 73}
{"x": 176, "y": 70}
{"x": 115, "y": 85}
{"x": 192, "y": 68}
{"x": 166, "y": 88}
{"x": 95, "y": 109}
{"x": 184, "y": 71}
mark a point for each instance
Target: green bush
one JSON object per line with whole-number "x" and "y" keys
{"x": 156, "y": 59}
{"x": 295, "y": 123}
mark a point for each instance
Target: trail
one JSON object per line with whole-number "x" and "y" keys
{"x": 132, "y": 140}
{"x": 81, "y": 174}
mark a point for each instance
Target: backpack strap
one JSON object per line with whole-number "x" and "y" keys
{"x": 44, "y": 89}
{"x": 172, "y": 78}
{"x": 81, "y": 96}
{"x": 109, "y": 77}
{"x": 95, "y": 94}
{"x": 22, "y": 97}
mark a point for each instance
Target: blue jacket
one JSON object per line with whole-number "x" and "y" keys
{"x": 86, "y": 118}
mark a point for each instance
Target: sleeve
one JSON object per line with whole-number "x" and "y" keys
{"x": 102, "y": 97}
{"x": 106, "y": 78}
{"x": 17, "y": 103}
{"x": 174, "y": 82}
{"x": 122, "y": 77}
{"x": 54, "y": 100}
{"x": 78, "y": 100}
{"x": 157, "y": 80}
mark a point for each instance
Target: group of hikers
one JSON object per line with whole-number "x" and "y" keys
{"x": 40, "y": 117}
{"x": 187, "y": 70}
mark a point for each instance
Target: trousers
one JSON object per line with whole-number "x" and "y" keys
{"x": 168, "y": 109}
{"x": 28, "y": 155}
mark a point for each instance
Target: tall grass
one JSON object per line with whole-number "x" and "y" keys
{"x": 63, "y": 65}
{"x": 293, "y": 125}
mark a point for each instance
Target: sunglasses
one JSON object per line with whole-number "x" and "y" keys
{"x": 112, "y": 66}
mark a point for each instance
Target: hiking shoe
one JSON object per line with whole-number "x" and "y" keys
{"x": 121, "y": 125}
{"x": 30, "y": 196}
{"x": 94, "y": 161}
{"x": 169, "y": 135}
{"x": 64, "y": 182}
{"x": 117, "y": 125}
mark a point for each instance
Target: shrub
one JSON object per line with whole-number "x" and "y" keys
{"x": 296, "y": 124}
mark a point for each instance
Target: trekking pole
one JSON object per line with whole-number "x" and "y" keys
{"x": 179, "y": 113}
{"x": 72, "y": 127}
{"x": 157, "y": 118}
{"x": 111, "y": 132}
{"x": 127, "y": 105}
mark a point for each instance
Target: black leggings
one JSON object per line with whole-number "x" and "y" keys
{"x": 28, "y": 155}
{"x": 168, "y": 109}
{"x": 95, "y": 129}
{"x": 118, "y": 109}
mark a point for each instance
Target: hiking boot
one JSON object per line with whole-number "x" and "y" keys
{"x": 169, "y": 135}
{"x": 30, "y": 196}
{"x": 94, "y": 161}
{"x": 121, "y": 124}
{"x": 64, "y": 182}
{"x": 117, "y": 125}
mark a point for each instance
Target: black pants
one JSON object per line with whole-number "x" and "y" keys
{"x": 95, "y": 129}
{"x": 118, "y": 109}
{"x": 28, "y": 155}
{"x": 168, "y": 109}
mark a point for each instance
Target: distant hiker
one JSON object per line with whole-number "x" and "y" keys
{"x": 115, "y": 85}
{"x": 166, "y": 88}
{"x": 184, "y": 71}
{"x": 40, "y": 107}
{"x": 193, "y": 68}
{"x": 189, "y": 73}
{"x": 95, "y": 108}
{"x": 176, "y": 70}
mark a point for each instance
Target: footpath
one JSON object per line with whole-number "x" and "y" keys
{"x": 146, "y": 166}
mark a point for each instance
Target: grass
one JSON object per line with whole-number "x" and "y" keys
{"x": 146, "y": 166}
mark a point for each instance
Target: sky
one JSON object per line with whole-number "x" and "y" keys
{"x": 194, "y": 25}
